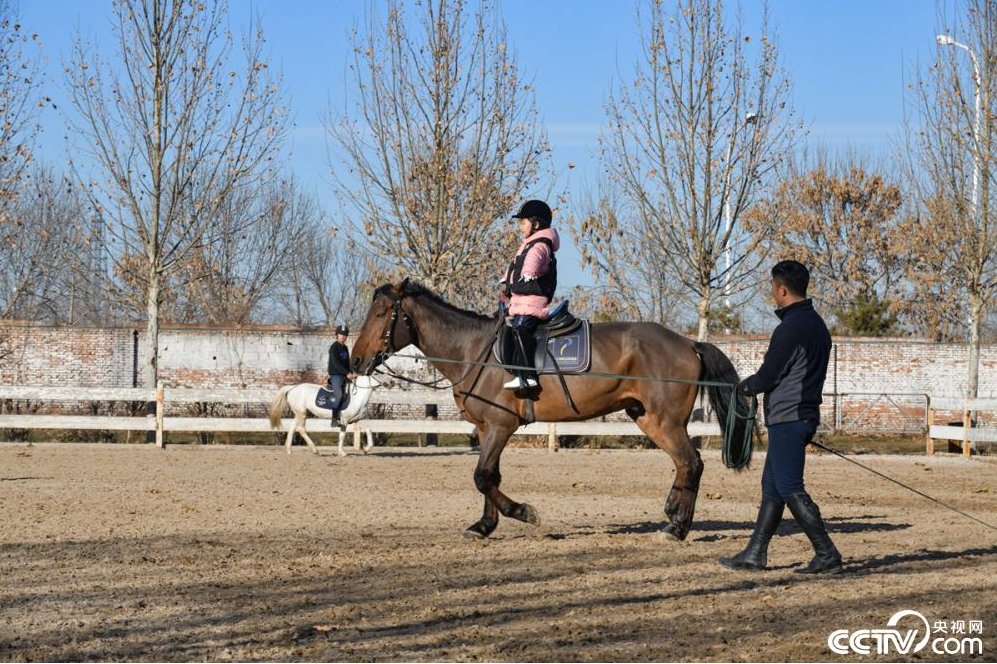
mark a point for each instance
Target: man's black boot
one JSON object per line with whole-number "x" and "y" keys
{"x": 755, "y": 555}
{"x": 826, "y": 558}
{"x": 335, "y": 416}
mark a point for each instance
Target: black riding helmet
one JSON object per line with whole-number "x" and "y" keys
{"x": 342, "y": 329}
{"x": 537, "y": 212}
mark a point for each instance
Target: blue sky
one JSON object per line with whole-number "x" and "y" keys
{"x": 847, "y": 60}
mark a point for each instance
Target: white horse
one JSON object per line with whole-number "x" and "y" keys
{"x": 301, "y": 400}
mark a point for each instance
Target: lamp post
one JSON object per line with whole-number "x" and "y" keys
{"x": 749, "y": 119}
{"x": 972, "y": 385}
{"x": 948, "y": 40}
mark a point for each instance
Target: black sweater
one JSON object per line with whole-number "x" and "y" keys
{"x": 339, "y": 359}
{"x": 795, "y": 366}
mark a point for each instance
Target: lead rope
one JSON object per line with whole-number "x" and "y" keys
{"x": 729, "y": 425}
{"x": 899, "y": 483}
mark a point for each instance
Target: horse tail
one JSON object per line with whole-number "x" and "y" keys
{"x": 737, "y": 440}
{"x": 278, "y": 406}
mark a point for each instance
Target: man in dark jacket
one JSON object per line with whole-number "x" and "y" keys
{"x": 791, "y": 378}
{"x": 339, "y": 368}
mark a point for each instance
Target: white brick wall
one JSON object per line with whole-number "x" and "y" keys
{"x": 268, "y": 358}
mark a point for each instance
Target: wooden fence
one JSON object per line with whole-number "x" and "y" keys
{"x": 161, "y": 424}
{"x": 967, "y": 433}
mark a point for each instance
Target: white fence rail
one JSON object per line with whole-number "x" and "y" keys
{"x": 161, "y": 424}
{"x": 967, "y": 433}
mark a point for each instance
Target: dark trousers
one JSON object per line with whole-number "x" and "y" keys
{"x": 525, "y": 327}
{"x": 783, "y": 473}
{"x": 336, "y": 385}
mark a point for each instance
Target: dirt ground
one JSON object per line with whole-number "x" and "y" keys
{"x": 114, "y": 552}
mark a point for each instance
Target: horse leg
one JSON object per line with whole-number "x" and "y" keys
{"x": 487, "y": 479}
{"x": 304, "y": 434}
{"x": 342, "y": 437}
{"x": 290, "y": 434}
{"x": 681, "y": 503}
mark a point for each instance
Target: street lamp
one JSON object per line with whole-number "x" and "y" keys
{"x": 948, "y": 40}
{"x": 972, "y": 386}
{"x": 749, "y": 119}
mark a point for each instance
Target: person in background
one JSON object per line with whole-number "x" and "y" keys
{"x": 339, "y": 368}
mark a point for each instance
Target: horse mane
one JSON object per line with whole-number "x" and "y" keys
{"x": 416, "y": 289}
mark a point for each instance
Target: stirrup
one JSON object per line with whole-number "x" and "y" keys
{"x": 518, "y": 383}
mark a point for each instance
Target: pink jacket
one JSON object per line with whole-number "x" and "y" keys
{"x": 536, "y": 264}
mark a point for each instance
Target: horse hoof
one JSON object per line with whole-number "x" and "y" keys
{"x": 673, "y": 533}
{"x": 480, "y": 529}
{"x": 530, "y": 515}
{"x": 342, "y": 454}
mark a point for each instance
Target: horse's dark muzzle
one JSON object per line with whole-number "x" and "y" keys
{"x": 372, "y": 362}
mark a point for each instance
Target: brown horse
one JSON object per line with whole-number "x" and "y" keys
{"x": 408, "y": 313}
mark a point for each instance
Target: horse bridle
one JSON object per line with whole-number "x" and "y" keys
{"x": 388, "y": 341}
{"x": 389, "y": 332}
{"x": 387, "y": 348}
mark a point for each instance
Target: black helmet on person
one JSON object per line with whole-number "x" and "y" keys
{"x": 342, "y": 329}
{"x": 537, "y": 212}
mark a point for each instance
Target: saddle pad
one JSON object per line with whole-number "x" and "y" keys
{"x": 569, "y": 353}
{"x": 327, "y": 399}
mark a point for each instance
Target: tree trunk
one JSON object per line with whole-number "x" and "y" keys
{"x": 703, "y": 311}
{"x": 150, "y": 373}
{"x": 975, "y": 323}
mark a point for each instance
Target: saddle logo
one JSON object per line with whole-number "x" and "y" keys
{"x": 913, "y": 636}
{"x": 564, "y": 347}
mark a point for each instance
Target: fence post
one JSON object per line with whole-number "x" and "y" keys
{"x": 929, "y": 416}
{"x": 432, "y": 413}
{"x": 160, "y": 407}
{"x": 838, "y": 417}
{"x": 552, "y": 442}
{"x": 967, "y": 423}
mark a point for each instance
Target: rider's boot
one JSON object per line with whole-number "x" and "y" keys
{"x": 827, "y": 559}
{"x": 755, "y": 555}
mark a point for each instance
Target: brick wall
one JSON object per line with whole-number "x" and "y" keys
{"x": 266, "y": 357}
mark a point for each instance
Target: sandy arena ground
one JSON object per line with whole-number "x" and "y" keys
{"x": 116, "y": 552}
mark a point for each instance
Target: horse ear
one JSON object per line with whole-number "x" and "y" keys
{"x": 403, "y": 286}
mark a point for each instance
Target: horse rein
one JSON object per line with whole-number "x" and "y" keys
{"x": 389, "y": 342}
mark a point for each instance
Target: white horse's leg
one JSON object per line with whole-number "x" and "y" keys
{"x": 342, "y": 437}
{"x": 290, "y": 434}
{"x": 370, "y": 441}
{"x": 308, "y": 439}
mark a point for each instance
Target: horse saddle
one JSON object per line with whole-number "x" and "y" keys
{"x": 327, "y": 398}
{"x": 563, "y": 344}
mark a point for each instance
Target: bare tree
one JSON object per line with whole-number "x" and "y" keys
{"x": 39, "y": 244}
{"x": 631, "y": 282}
{"x": 951, "y": 144}
{"x": 228, "y": 280}
{"x": 325, "y": 282}
{"x": 175, "y": 128}
{"x": 20, "y": 101}
{"x": 693, "y": 137}
{"x": 844, "y": 222}
{"x": 440, "y": 144}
